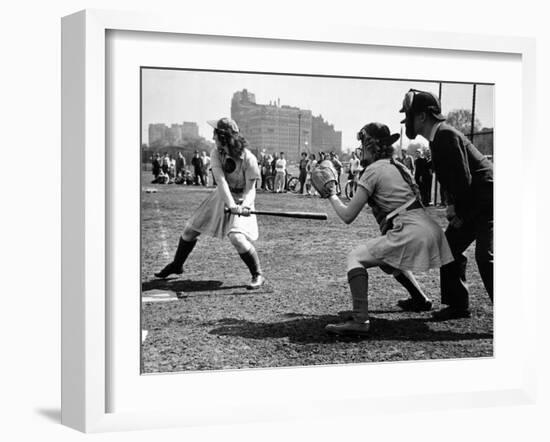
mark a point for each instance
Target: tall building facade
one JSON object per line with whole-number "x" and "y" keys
{"x": 277, "y": 128}
{"x": 162, "y": 135}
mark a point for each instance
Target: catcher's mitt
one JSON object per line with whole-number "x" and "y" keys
{"x": 324, "y": 178}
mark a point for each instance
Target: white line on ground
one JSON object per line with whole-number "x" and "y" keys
{"x": 162, "y": 232}
{"x": 144, "y": 334}
{"x": 159, "y": 297}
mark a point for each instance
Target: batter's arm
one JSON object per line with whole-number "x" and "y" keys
{"x": 223, "y": 188}
{"x": 249, "y": 194}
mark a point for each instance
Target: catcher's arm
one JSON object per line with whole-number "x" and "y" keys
{"x": 349, "y": 213}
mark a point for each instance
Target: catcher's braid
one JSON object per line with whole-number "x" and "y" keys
{"x": 325, "y": 178}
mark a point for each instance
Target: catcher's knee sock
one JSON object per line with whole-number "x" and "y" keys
{"x": 252, "y": 261}
{"x": 414, "y": 290}
{"x": 358, "y": 279}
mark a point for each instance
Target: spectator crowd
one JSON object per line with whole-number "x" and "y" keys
{"x": 175, "y": 169}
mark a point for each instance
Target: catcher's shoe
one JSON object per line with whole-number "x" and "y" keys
{"x": 170, "y": 269}
{"x": 345, "y": 315}
{"x": 256, "y": 282}
{"x": 349, "y": 328}
{"x": 413, "y": 305}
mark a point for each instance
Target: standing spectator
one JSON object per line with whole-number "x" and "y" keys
{"x": 312, "y": 162}
{"x": 354, "y": 166}
{"x": 280, "y": 173}
{"x": 166, "y": 163}
{"x": 273, "y": 170}
{"x": 172, "y": 167}
{"x": 205, "y": 165}
{"x": 265, "y": 168}
{"x": 269, "y": 168}
{"x": 338, "y": 166}
{"x": 198, "y": 167}
{"x": 466, "y": 177}
{"x": 303, "y": 172}
{"x": 422, "y": 176}
{"x": 180, "y": 164}
{"x": 156, "y": 165}
{"x": 404, "y": 158}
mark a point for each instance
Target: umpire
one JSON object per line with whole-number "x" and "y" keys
{"x": 466, "y": 177}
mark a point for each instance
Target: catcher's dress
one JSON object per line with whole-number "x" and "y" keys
{"x": 414, "y": 242}
{"x": 209, "y": 218}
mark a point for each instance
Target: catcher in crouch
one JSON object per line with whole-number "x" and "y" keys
{"x": 236, "y": 171}
{"x": 410, "y": 240}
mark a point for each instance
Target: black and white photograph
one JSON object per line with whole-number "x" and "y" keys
{"x": 300, "y": 220}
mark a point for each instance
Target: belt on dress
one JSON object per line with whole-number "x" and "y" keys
{"x": 236, "y": 190}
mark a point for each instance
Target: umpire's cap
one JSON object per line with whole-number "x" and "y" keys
{"x": 380, "y": 132}
{"x": 416, "y": 101}
{"x": 224, "y": 125}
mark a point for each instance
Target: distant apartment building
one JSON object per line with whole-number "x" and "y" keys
{"x": 162, "y": 135}
{"x": 157, "y": 134}
{"x": 277, "y": 128}
{"x": 190, "y": 128}
{"x": 324, "y": 136}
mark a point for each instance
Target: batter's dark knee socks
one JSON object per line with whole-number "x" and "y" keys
{"x": 414, "y": 291}
{"x": 358, "y": 279}
{"x": 252, "y": 261}
{"x": 183, "y": 251}
{"x": 176, "y": 266}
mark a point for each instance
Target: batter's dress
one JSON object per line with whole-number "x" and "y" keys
{"x": 415, "y": 242}
{"x": 210, "y": 218}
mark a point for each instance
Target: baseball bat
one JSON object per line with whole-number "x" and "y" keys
{"x": 302, "y": 215}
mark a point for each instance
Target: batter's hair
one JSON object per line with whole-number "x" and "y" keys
{"x": 234, "y": 142}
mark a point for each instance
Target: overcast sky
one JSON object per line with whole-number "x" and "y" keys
{"x": 174, "y": 96}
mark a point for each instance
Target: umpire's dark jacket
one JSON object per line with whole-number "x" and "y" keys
{"x": 465, "y": 174}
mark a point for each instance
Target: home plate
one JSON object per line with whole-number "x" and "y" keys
{"x": 159, "y": 297}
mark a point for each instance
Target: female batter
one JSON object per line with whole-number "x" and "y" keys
{"x": 410, "y": 240}
{"x": 236, "y": 171}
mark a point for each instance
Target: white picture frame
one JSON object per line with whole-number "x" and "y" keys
{"x": 85, "y": 202}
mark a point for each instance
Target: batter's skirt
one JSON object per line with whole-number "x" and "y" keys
{"x": 415, "y": 243}
{"x": 210, "y": 219}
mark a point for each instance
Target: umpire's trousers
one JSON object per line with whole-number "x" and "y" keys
{"x": 454, "y": 291}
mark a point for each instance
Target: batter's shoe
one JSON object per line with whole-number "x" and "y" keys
{"x": 170, "y": 269}
{"x": 349, "y": 328}
{"x": 256, "y": 282}
{"x": 176, "y": 266}
{"x": 451, "y": 313}
{"x": 413, "y": 305}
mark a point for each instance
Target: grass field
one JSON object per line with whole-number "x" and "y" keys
{"x": 217, "y": 324}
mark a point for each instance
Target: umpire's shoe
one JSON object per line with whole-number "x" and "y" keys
{"x": 256, "y": 282}
{"x": 414, "y": 305}
{"x": 349, "y": 328}
{"x": 451, "y": 313}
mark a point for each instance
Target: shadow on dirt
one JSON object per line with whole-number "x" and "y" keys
{"x": 183, "y": 285}
{"x": 189, "y": 286}
{"x": 310, "y": 329}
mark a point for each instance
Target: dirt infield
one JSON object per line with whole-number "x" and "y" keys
{"x": 216, "y": 323}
